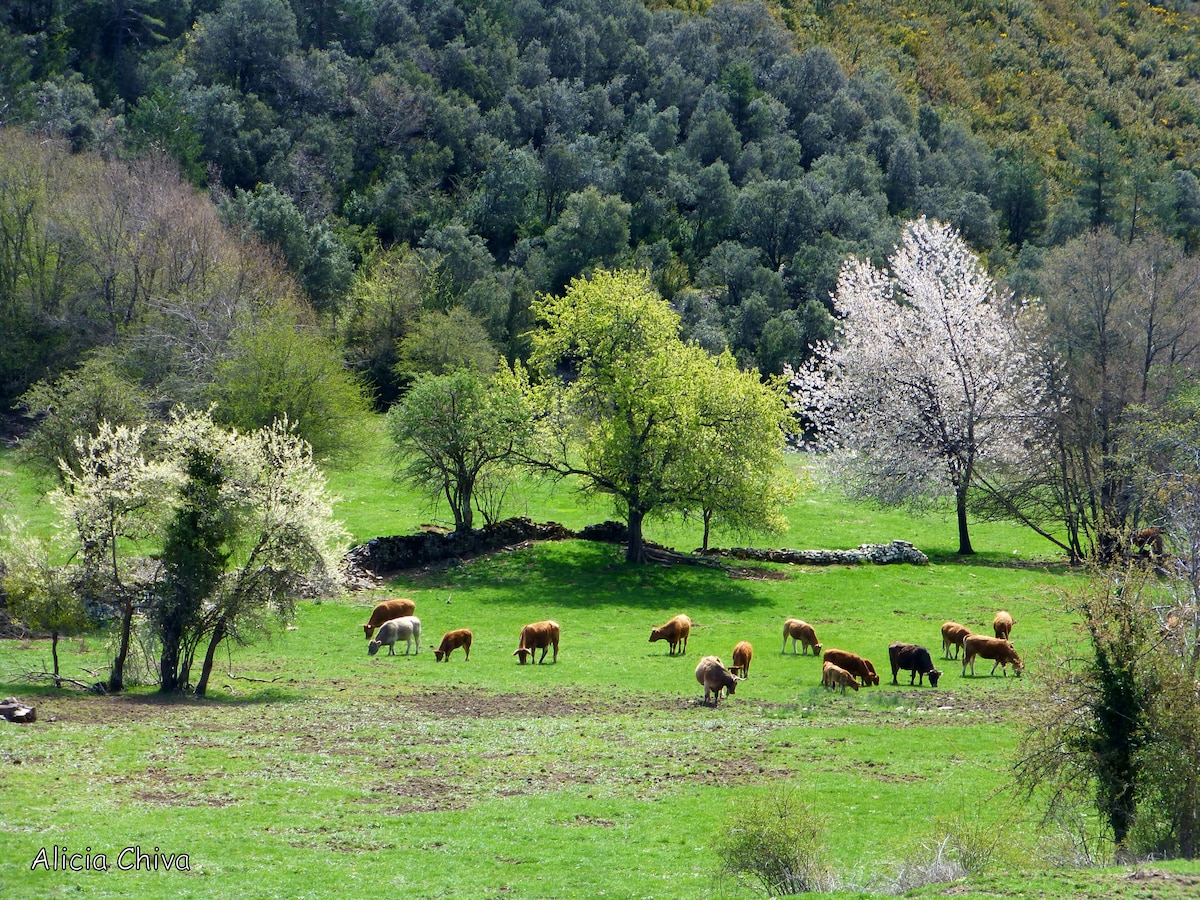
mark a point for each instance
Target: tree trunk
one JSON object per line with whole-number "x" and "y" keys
{"x": 964, "y": 536}
{"x": 54, "y": 656}
{"x": 168, "y": 662}
{"x": 459, "y": 494}
{"x": 707, "y": 522}
{"x": 636, "y": 551}
{"x": 116, "y": 679}
{"x": 218, "y": 635}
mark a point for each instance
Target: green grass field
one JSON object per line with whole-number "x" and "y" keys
{"x": 316, "y": 771}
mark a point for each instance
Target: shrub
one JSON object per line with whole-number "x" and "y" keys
{"x": 774, "y": 842}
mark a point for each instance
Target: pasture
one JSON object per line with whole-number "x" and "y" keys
{"x": 315, "y": 770}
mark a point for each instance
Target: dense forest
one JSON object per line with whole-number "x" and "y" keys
{"x": 396, "y": 179}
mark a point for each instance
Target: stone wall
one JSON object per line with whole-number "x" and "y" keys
{"x": 410, "y": 551}
{"x": 879, "y": 554}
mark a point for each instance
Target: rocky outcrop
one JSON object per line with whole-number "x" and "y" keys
{"x": 879, "y": 554}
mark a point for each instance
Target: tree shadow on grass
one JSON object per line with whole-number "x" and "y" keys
{"x": 263, "y": 694}
{"x": 582, "y": 574}
{"x": 997, "y": 560}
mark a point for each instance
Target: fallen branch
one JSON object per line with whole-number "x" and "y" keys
{"x": 33, "y": 676}
{"x": 255, "y": 680}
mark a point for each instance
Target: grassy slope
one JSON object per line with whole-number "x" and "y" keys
{"x": 318, "y": 771}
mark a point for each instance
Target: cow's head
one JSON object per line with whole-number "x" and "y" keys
{"x": 437, "y": 655}
{"x": 523, "y": 652}
{"x": 373, "y": 647}
{"x": 934, "y": 675}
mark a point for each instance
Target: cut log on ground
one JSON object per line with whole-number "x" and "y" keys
{"x": 14, "y": 710}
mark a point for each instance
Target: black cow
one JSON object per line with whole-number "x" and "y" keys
{"x": 915, "y": 659}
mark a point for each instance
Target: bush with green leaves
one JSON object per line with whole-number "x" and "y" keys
{"x": 775, "y": 843}
{"x": 281, "y": 370}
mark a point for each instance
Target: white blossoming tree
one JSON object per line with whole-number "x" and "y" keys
{"x": 245, "y": 523}
{"x": 112, "y": 499}
{"x": 253, "y": 529}
{"x": 928, "y": 383}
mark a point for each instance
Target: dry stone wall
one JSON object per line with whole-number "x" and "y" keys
{"x": 409, "y": 551}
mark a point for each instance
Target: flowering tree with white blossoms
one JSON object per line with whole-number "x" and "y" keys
{"x": 928, "y": 382}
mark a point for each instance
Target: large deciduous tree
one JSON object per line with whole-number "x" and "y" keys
{"x": 632, "y": 412}
{"x": 927, "y": 383}
{"x": 279, "y": 368}
{"x": 1122, "y": 331}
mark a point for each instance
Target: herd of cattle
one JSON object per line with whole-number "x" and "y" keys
{"x": 395, "y": 621}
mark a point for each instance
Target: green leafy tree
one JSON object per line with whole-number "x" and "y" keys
{"x": 39, "y": 593}
{"x": 76, "y": 404}
{"x": 440, "y": 342}
{"x": 280, "y": 370}
{"x": 243, "y": 43}
{"x": 593, "y": 230}
{"x": 1119, "y": 724}
{"x": 742, "y": 483}
{"x": 457, "y": 432}
{"x": 382, "y": 304}
{"x": 196, "y": 546}
{"x": 631, "y": 411}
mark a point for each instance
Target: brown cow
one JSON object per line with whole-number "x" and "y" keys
{"x": 854, "y": 664}
{"x": 997, "y": 649}
{"x": 712, "y": 673}
{"x": 1003, "y": 625}
{"x": 797, "y": 629}
{"x": 835, "y": 676}
{"x": 742, "y": 654}
{"x": 452, "y": 640}
{"x": 1149, "y": 542}
{"x": 388, "y": 610}
{"x": 953, "y": 635}
{"x": 675, "y": 633}
{"x": 539, "y": 635}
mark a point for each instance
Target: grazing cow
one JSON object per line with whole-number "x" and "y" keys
{"x": 1149, "y": 542}
{"x": 914, "y": 659}
{"x": 854, "y": 664}
{"x": 388, "y": 610}
{"x": 712, "y": 673}
{"x": 797, "y": 629}
{"x": 997, "y": 649}
{"x": 538, "y": 636}
{"x": 452, "y": 640}
{"x": 835, "y": 676}
{"x": 404, "y": 628}
{"x": 742, "y": 654}
{"x": 953, "y": 635}
{"x": 675, "y": 633}
{"x": 1003, "y": 625}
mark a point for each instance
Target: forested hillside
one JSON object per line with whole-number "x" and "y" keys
{"x": 424, "y": 169}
